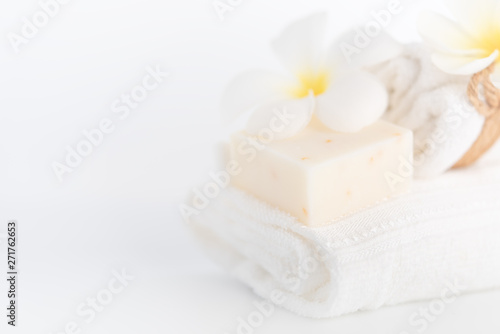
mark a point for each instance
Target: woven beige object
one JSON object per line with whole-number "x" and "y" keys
{"x": 486, "y": 99}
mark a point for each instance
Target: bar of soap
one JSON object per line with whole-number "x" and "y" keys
{"x": 320, "y": 175}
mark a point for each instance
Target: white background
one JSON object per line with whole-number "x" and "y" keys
{"x": 118, "y": 209}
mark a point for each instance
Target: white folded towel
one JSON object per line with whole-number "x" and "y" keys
{"x": 434, "y": 105}
{"x": 445, "y": 232}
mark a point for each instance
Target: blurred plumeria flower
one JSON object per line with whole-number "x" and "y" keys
{"x": 343, "y": 97}
{"x": 468, "y": 45}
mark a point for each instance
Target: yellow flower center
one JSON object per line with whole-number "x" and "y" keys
{"x": 311, "y": 81}
{"x": 489, "y": 41}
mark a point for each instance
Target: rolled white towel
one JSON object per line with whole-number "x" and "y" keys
{"x": 434, "y": 105}
{"x": 441, "y": 238}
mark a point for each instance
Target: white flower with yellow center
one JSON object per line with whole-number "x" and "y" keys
{"x": 343, "y": 98}
{"x": 469, "y": 44}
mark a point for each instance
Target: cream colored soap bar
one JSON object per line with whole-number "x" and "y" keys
{"x": 320, "y": 175}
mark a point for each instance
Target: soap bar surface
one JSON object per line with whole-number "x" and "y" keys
{"x": 320, "y": 175}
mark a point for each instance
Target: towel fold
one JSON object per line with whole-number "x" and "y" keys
{"x": 442, "y": 236}
{"x": 434, "y": 105}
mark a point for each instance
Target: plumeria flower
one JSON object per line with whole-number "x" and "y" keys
{"x": 469, "y": 44}
{"x": 342, "y": 97}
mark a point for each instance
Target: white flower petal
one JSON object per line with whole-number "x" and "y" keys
{"x": 299, "y": 46}
{"x": 496, "y": 15}
{"x": 345, "y": 52}
{"x": 476, "y": 16}
{"x": 462, "y": 65}
{"x": 352, "y": 102}
{"x": 250, "y": 89}
{"x": 443, "y": 34}
{"x": 283, "y": 118}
